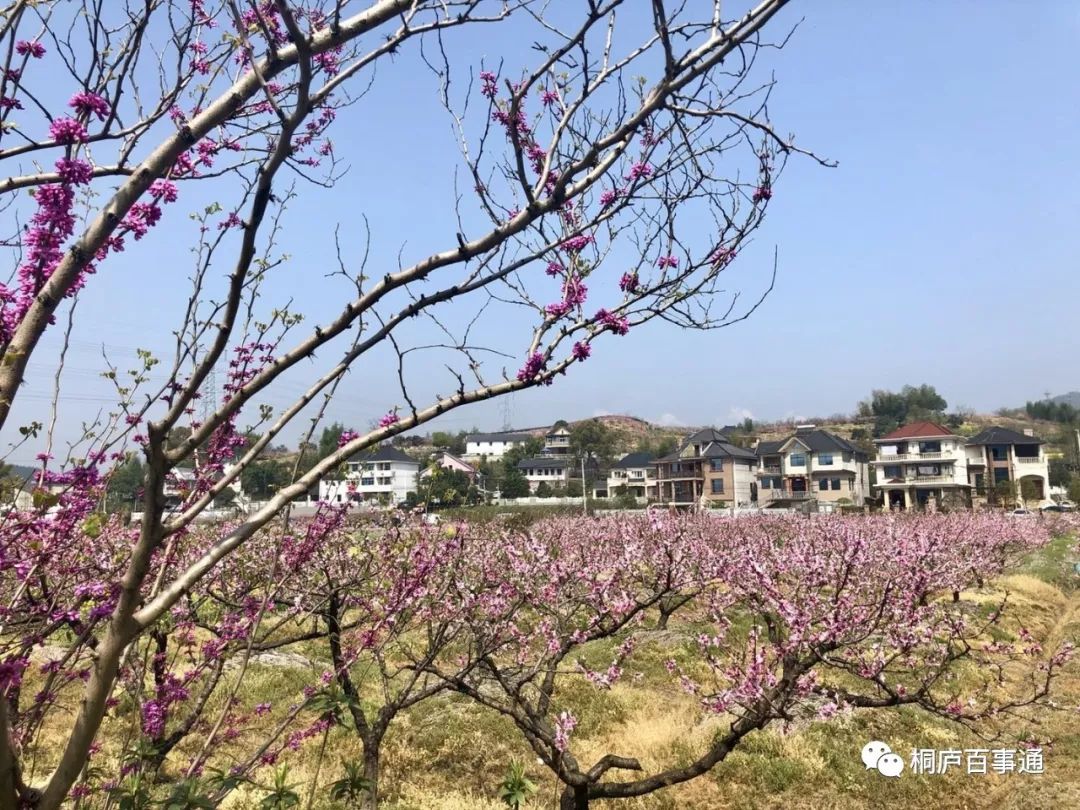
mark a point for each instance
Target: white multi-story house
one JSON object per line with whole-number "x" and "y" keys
{"x": 998, "y": 455}
{"x": 385, "y": 475}
{"x": 811, "y": 465}
{"x": 492, "y": 445}
{"x": 551, "y": 470}
{"x": 920, "y": 462}
{"x": 634, "y": 471}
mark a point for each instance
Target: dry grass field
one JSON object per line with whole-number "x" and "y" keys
{"x": 448, "y": 754}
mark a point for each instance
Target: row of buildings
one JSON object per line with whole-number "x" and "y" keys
{"x": 915, "y": 466}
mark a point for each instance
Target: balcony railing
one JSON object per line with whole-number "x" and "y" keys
{"x": 772, "y": 469}
{"x": 920, "y": 480}
{"x": 910, "y": 457}
{"x": 787, "y": 495}
{"x": 1028, "y": 459}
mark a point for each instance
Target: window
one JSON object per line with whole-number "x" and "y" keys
{"x": 797, "y": 460}
{"x": 892, "y": 471}
{"x": 823, "y": 484}
{"x": 367, "y": 482}
{"x": 718, "y": 486}
{"x": 980, "y": 484}
{"x": 824, "y": 458}
{"x": 716, "y": 464}
{"x": 1000, "y": 453}
{"x": 929, "y": 447}
{"x": 836, "y": 484}
{"x": 1001, "y": 474}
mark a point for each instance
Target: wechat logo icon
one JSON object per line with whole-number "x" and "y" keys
{"x": 877, "y": 756}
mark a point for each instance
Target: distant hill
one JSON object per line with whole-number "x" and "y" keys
{"x": 1071, "y": 398}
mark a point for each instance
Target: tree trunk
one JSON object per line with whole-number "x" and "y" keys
{"x": 574, "y": 797}
{"x": 371, "y": 772}
{"x": 9, "y": 780}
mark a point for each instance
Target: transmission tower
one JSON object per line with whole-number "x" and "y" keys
{"x": 506, "y": 408}
{"x": 209, "y": 396}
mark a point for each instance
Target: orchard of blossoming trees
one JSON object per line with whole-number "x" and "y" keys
{"x": 793, "y": 619}
{"x": 125, "y": 650}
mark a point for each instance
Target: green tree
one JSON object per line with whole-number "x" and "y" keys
{"x": 125, "y": 484}
{"x": 891, "y": 409}
{"x": 592, "y": 440}
{"x": 1061, "y": 471}
{"x": 593, "y": 443}
{"x": 448, "y": 487}
{"x": 331, "y": 435}
{"x": 534, "y": 446}
{"x": 1074, "y": 489}
{"x": 453, "y": 443}
{"x": 543, "y": 490}
{"x": 262, "y": 479}
{"x": 514, "y": 484}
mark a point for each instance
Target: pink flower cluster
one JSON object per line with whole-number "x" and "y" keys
{"x": 535, "y": 365}
{"x": 618, "y": 324}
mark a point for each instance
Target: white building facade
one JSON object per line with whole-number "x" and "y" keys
{"x": 920, "y": 464}
{"x": 492, "y": 446}
{"x": 550, "y": 470}
{"x": 386, "y": 476}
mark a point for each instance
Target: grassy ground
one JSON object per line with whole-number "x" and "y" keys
{"x": 447, "y": 754}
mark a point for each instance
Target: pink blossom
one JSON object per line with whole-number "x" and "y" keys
{"x": 762, "y": 193}
{"x": 564, "y": 727}
{"x": 346, "y": 437}
{"x": 67, "y": 130}
{"x": 582, "y": 350}
{"x": 549, "y": 97}
{"x": 639, "y": 171}
{"x": 87, "y": 104}
{"x": 533, "y": 368}
{"x": 629, "y": 283}
{"x": 609, "y": 196}
{"x": 609, "y": 320}
{"x": 576, "y": 244}
{"x": 74, "y": 171}
{"x": 164, "y": 190}
{"x": 389, "y": 419}
{"x": 33, "y": 49}
{"x": 667, "y": 261}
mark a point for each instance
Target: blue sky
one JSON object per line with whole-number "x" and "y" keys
{"x": 942, "y": 249}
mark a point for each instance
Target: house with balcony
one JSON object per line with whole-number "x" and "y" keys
{"x": 706, "y": 470}
{"x": 385, "y": 475}
{"x": 551, "y": 470}
{"x": 998, "y": 456}
{"x": 922, "y": 463}
{"x": 633, "y": 474}
{"x": 492, "y": 446}
{"x": 811, "y": 466}
{"x": 557, "y": 442}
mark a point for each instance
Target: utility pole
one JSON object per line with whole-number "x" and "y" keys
{"x": 584, "y": 497}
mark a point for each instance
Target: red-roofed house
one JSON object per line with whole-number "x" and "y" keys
{"x": 920, "y": 462}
